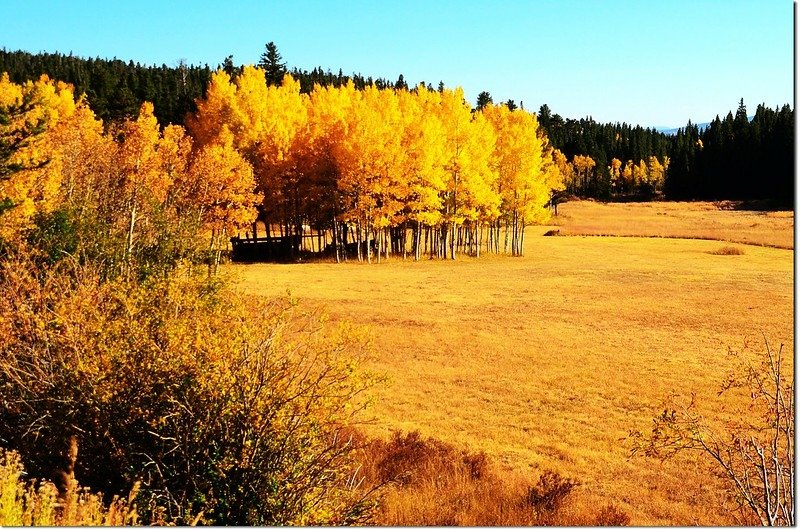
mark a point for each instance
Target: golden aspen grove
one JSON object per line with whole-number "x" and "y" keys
{"x": 377, "y": 164}
{"x": 449, "y": 346}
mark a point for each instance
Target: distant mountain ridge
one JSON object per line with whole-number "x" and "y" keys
{"x": 672, "y": 131}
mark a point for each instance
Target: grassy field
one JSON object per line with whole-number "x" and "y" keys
{"x": 689, "y": 220}
{"x": 548, "y": 361}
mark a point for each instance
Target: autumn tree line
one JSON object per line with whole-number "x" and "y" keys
{"x": 739, "y": 157}
{"x": 115, "y": 89}
{"x": 737, "y": 161}
{"x": 409, "y": 171}
{"x": 132, "y": 192}
{"x": 372, "y": 165}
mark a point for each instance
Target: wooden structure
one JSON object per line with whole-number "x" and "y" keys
{"x": 255, "y": 249}
{"x": 285, "y": 249}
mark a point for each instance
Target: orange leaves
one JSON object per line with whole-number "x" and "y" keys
{"x": 220, "y": 185}
{"x": 216, "y": 109}
{"x": 138, "y": 157}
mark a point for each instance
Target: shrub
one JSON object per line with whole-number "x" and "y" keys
{"x": 427, "y": 482}
{"x": 54, "y": 234}
{"x": 611, "y": 515}
{"x": 409, "y": 458}
{"x": 755, "y": 458}
{"x": 728, "y": 251}
{"x": 227, "y": 410}
{"x": 548, "y": 495}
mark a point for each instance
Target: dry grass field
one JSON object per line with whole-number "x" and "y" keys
{"x": 548, "y": 361}
{"x": 689, "y": 220}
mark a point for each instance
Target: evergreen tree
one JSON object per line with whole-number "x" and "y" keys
{"x": 544, "y": 117}
{"x": 484, "y": 98}
{"x": 228, "y": 67}
{"x": 271, "y": 62}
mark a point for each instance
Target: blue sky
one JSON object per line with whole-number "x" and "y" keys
{"x": 656, "y": 63}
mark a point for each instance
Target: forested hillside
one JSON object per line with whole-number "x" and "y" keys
{"x": 733, "y": 158}
{"x": 116, "y": 89}
{"x": 736, "y": 158}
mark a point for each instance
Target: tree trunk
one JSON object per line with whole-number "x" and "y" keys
{"x": 336, "y": 240}
{"x": 403, "y": 242}
{"x": 505, "y": 245}
{"x": 129, "y": 244}
{"x": 358, "y": 241}
{"x": 211, "y": 250}
{"x": 379, "y": 235}
{"x": 453, "y": 241}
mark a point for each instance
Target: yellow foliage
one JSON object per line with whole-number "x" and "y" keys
{"x": 45, "y": 106}
{"x": 26, "y": 504}
{"x": 218, "y": 108}
{"x": 220, "y": 186}
{"x": 423, "y": 156}
{"x": 215, "y": 388}
{"x": 519, "y": 157}
{"x": 379, "y": 158}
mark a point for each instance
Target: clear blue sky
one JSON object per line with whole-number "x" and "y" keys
{"x": 656, "y": 63}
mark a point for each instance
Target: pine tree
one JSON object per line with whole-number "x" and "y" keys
{"x": 228, "y": 67}
{"x": 272, "y": 65}
{"x": 484, "y": 98}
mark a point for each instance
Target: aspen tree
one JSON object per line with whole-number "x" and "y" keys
{"x": 423, "y": 162}
{"x": 584, "y": 168}
{"x": 615, "y": 171}
{"x": 38, "y": 116}
{"x": 519, "y": 158}
{"x": 220, "y": 188}
{"x": 215, "y": 110}
{"x": 468, "y": 147}
{"x": 627, "y": 175}
{"x": 327, "y": 127}
{"x": 141, "y": 181}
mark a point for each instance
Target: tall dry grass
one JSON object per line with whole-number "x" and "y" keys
{"x": 40, "y": 503}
